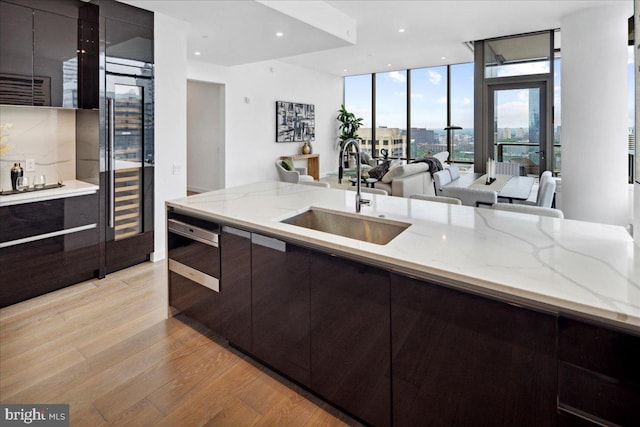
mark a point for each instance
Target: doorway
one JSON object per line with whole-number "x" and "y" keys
{"x": 205, "y": 136}
{"x": 517, "y": 115}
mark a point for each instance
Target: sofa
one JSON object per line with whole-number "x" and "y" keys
{"x": 412, "y": 178}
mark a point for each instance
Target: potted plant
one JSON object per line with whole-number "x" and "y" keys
{"x": 349, "y": 125}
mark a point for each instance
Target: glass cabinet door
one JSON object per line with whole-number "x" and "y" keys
{"x": 126, "y": 158}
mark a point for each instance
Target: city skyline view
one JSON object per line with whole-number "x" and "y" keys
{"x": 429, "y": 97}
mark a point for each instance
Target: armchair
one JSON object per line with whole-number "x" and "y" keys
{"x": 294, "y": 176}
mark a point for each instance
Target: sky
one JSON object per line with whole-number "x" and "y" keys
{"x": 428, "y": 98}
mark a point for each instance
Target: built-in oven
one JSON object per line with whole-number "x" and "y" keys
{"x": 194, "y": 268}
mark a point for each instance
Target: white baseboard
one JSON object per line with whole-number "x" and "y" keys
{"x": 157, "y": 256}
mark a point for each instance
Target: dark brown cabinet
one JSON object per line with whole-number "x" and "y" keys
{"x": 46, "y": 246}
{"x": 55, "y": 60}
{"x": 128, "y": 32}
{"x": 39, "y": 49}
{"x": 280, "y": 306}
{"x": 599, "y": 373}
{"x": 235, "y": 278}
{"x": 464, "y": 360}
{"x": 350, "y": 336}
{"x": 16, "y": 51}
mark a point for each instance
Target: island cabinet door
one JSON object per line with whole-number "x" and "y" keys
{"x": 464, "y": 360}
{"x": 599, "y": 374}
{"x": 235, "y": 286}
{"x": 280, "y": 306}
{"x": 350, "y": 337}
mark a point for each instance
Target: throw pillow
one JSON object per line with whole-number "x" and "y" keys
{"x": 287, "y": 164}
{"x": 378, "y": 172}
{"x": 404, "y": 170}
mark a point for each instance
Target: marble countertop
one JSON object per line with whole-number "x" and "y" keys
{"x": 71, "y": 188}
{"x": 566, "y": 266}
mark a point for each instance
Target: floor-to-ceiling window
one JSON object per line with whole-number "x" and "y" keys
{"x": 410, "y": 126}
{"x": 557, "y": 117}
{"x": 461, "y": 107}
{"x": 391, "y": 113}
{"x": 357, "y": 100}
{"x": 428, "y": 110}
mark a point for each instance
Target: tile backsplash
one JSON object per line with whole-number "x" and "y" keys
{"x": 47, "y": 135}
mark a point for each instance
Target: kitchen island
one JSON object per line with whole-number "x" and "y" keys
{"x": 468, "y": 314}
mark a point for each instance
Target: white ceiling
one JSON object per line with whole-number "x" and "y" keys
{"x": 320, "y": 35}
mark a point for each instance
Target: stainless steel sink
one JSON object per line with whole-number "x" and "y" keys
{"x": 372, "y": 230}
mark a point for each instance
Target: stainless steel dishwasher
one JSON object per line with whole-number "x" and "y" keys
{"x": 194, "y": 268}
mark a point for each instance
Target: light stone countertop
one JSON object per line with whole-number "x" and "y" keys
{"x": 566, "y": 266}
{"x": 71, "y": 188}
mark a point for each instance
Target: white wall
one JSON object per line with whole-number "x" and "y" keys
{"x": 170, "y": 120}
{"x": 594, "y": 115}
{"x": 250, "y": 147}
{"x": 205, "y": 136}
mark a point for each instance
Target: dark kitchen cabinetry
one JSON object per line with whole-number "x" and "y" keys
{"x": 235, "y": 277}
{"x": 55, "y": 60}
{"x": 128, "y": 32}
{"x": 280, "y": 306}
{"x": 599, "y": 374}
{"x": 350, "y": 336}
{"x": 16, "y": 53}
{"x": 461, "y": 359}
{"x": 39, "y": 49}
{"x": 46, "y": 246}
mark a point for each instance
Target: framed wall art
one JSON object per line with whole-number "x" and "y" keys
{"x": 295, "y": 122}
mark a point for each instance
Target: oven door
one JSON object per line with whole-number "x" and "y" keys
{"x": 194, "y": 252}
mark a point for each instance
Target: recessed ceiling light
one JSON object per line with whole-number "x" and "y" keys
{"x": 388, "y": 65}
{"x": 279, "y": 34}
{"x": 344, "y": 71}
{"x": 444, "y": 57}
{"x": 196, "y": 53}
{"x": 401, "y": 30}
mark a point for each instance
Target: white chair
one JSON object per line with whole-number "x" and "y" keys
{"x": 316, "y": 184}
{"x": 545, "y": 176}
{"x": 508, "y": 168}
{"x": 440, "y": 179}
{"x": 528, "y": 209}
{"x": 440, "y": 199}
{"x": 472, "y": 196}
{"x": 370, "y": 190}
{"x": 546, "y": 192}
{"x": 295, "y": 176}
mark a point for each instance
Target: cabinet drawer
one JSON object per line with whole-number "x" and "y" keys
{"x": 32, "y": 219}
{"x": 597, "y": 396}
{"x": 195, "y": 300}
{"x": 599, "y": 349}
{"x": 35, "y": 268}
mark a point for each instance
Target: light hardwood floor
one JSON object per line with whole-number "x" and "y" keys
{"x": 105, "y": 348}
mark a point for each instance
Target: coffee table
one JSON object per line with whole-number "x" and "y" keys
{"x": 369, "y": 182}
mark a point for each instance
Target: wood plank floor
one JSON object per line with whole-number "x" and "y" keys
{"x": 106, "y": 348}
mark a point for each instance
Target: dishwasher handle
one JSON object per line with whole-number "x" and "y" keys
{"x": 192, "y": 232}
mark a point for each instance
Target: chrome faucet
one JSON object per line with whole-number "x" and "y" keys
{"x": 352, "y": 141}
